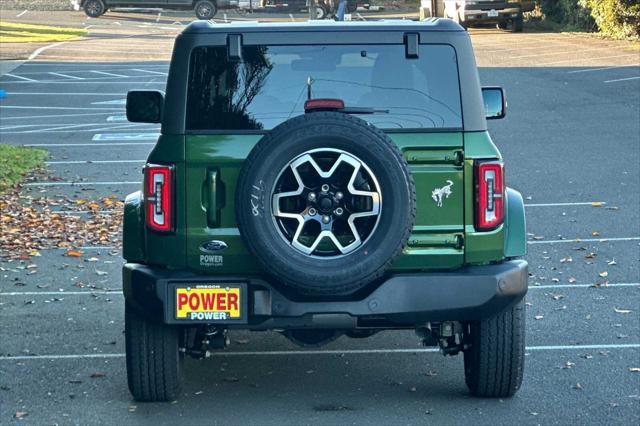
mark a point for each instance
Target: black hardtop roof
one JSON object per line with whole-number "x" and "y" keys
{"x": 432, "y": 24}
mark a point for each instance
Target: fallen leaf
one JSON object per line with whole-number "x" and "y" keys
{"x": 634, "y": 369}
{"x": 538, "y": 237}
{"x": 538, "y": 317}
{"x": 412, "y": 389}
{"x": 557, "y": 296}
{"x": 20, "y": 415}
{"x": 74, "y": 253}
{"x": 101, "y": 273}
{"x": 97, "y": 375}
{"x": 622, "y": 311}
{"x": 572, "y": 280}
{"x": 595, "y": 233}
{"x": 577, "y": 386}
{"x": 612, "y": 263}
{"x": 231, "y": 379}
{"x": 568, "y": 365}
{"x": 597, "y": 204}
{"x": 590, "y": 255}
{"x": 132, "y": 408}
{"x": 604, "y": 274}
{"x": 431, "y": 373}
{"x": 566, "y": 260}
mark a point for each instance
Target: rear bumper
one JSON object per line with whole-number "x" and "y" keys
{"x": 471, "y": 16}
{"x": 401, "y": 301}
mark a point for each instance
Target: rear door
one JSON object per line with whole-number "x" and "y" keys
{"x": 231, "y": 104}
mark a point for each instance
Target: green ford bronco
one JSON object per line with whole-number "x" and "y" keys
{"x": 323, "y": 179}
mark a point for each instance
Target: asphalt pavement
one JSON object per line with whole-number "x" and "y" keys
{"x": 571, "y": 143}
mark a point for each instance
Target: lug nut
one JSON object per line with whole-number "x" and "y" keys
{"x": 339, "y": 211}
{"x": 312, "y": 211}
{"x": 311, "y": 196}
{"x": 339, "y": 195}
{"x": 326, "y": 219}
{"x": 325, "y": 188}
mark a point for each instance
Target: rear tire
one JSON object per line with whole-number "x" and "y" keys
{"x": 502, "y": 25}
{"x": 205, "y": 9}
{"x": 94, "y": 8}
{"x": 154, "y": 363}
{"x": 494, "y": 363}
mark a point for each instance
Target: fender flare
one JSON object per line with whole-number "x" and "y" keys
{"x": 133, "y": 228}
{"x": 515, "y": 226}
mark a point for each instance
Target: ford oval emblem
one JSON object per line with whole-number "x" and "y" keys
{"x": 213, "y": 246}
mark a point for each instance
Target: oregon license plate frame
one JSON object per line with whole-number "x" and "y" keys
{"x": 206, "y": 295}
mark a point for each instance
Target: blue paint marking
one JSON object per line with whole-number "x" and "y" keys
{"x": 3, "y": 94}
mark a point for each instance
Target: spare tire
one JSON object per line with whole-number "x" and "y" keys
{"x": 325, "y": 202}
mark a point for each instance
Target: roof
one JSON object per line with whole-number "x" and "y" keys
{"x": 433, "y": 24}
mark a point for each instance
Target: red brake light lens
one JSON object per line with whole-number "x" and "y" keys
{"x": 323, "y": 105}
{"x": 490, "y": 195}
{"x": 158, "y": 195}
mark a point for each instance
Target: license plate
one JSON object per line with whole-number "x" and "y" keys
{"x": 209, "y": 302}
{"x": 492, "y": 13}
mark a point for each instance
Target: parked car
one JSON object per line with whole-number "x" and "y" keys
{"x": 470, "y": 12}
{"x": 204, "y": 9}
{"x": 325, "y": 180}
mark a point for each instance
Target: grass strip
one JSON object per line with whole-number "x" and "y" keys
{"x": 16, "y": 162}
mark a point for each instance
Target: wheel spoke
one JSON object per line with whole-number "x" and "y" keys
{"x": 324, "y": 217}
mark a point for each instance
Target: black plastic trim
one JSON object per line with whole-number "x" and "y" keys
{"x": 404, "y": 300}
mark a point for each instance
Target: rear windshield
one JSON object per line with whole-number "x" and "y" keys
{"x": 271, "y": 84}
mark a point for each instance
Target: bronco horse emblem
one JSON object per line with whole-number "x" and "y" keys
{"x": 438, "y": 193}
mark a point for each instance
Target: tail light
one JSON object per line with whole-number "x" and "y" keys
{"x": 158, "y": 195}
{"x": 490, "y": 195}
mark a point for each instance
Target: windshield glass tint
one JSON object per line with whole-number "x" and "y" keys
{"x": 271, "y": 84}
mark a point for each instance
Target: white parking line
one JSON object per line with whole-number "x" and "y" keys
{"x": 117, "y": 118}
{"x": 60, "y": 108}
{"x": 94, "y": 162}
{"x": 100, "y": 212}
{"x": 82, "y": 183}
{"x": 58, "y": 293}
{"x": 125, "y": 136}
{"x": 66, "y": 76}
{"x": 99, "y": 80}
{"x": 150, "y": 72}
{"x": 623, "y": 79}
{"x": 95, "y": 145}
{"x": 30, "y": 117}
{"x": 584, "y": 240}
{"x": 592, "y": 285}
{"x": 586, "y": 203}
{"x": 109, "y": 74}
{"x": 585, "y": 59}
{"x": 600, "y": 69}
{"x": 325, "y": 352}
{"x": 42, "y": 49}
{"x": 62, "y": 93}
{"x": 19, "y": 77}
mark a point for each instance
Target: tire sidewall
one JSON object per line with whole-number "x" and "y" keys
{"x": 260, "y": 230}
{"x": 211, "y": 4}
{"x": 100, "y": 3}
